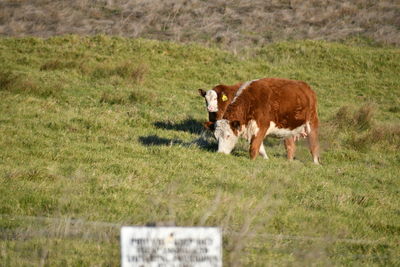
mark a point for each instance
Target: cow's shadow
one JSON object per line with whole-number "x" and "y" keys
{"x": 154, "y": 140}
{"x": 188, "y": 125}
{"x": 204, "y": 141}
{"x": 201, "y": 142}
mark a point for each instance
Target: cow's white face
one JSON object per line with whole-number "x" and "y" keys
{"x": 211, "y": 101}
{"x": 225, "y": 136}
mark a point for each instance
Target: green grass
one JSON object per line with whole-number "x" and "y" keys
{"x": 108, "y": 130}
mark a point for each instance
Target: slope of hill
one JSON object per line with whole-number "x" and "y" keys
{"x": 98, "y": 132}
{"x": 233, "y": 24}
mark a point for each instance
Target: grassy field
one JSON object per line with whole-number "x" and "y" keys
{"x": 98, "y": 132}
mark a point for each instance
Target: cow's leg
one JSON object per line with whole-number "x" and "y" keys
{"x": 262, "y": 151}
{"x": 314, "y": 143}
{"x": 290, "y": 146}
{"x": 256, "y": 142}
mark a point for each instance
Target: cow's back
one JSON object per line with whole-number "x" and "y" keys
{"x": 288, "y": 103}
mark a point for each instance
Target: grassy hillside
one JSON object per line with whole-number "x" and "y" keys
{"x": 98, "y": 132}
{"x": 232, "y": 24}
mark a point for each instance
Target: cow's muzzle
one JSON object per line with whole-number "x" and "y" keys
{"x": 212, "y": 109}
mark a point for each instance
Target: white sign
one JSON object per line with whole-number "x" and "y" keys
{"x": 171, "y": 246}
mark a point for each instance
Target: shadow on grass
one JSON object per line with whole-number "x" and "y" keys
{"x": 154, "y": 140}
{"x": 204, "y": 142}
{"x": 201, "y": 142}
{"x": 188, "y": 125}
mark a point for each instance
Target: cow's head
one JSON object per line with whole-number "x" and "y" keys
{"x": 227, "y": 134}
{"x": 211, "y": 98}
{"x": 216, "y": 102}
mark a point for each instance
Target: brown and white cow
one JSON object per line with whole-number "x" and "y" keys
{"x": 271, "y": 106}
{"x": 218, "y": 99}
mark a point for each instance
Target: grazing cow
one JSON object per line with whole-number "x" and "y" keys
{"x": 277, "y": 107}
{"x": 218, "y": 99}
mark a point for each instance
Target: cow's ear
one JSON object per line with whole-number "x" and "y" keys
{"x": 202, "y": 92}
{"x": 209, "y": 125}
{"x": 235, "y": 125}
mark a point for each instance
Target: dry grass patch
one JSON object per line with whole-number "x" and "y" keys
{"x": 57, "y": 64}
{"x": 233, "y": 25}
{"x": 135, "y": 73}
{"x": 359, "y": 130}
{"x": 24, "y": 83}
